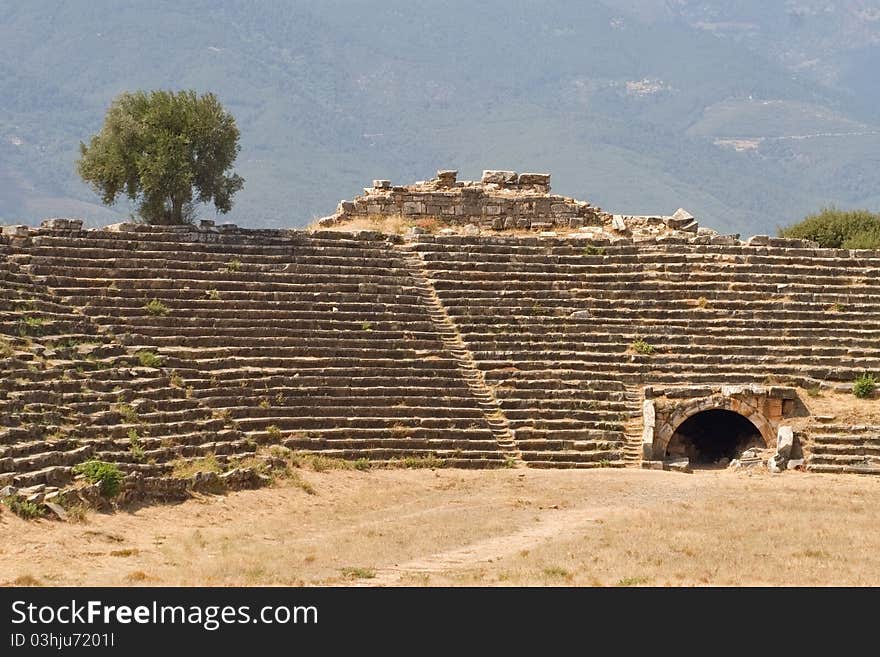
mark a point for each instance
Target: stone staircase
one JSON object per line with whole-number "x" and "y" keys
{"x": 632, "y": 428}
{"x": 448, "y": 332}
{"x": 844, "y": 448}
{"x": 566, "y": 405}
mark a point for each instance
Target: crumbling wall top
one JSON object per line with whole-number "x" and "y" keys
{"x": 501, "y": 200}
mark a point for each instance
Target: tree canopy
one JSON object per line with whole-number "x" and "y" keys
{"x": 164, "y": 150}
{"x": 838, "y": 229}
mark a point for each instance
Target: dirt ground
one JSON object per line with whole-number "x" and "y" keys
{"x": 459, "y": 527}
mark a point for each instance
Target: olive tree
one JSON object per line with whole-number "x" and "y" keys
{"x": 165, "y": 151}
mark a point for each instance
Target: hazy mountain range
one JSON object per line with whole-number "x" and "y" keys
{"x": 749, "y": 114}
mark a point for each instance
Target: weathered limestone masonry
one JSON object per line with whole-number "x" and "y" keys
{"x": 666, "y": 411}
{"x": 501, "y": 200}
{"x": 572, "y": 334}
{"x": 154, "y": 347}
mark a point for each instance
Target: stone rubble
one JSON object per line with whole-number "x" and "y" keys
{"x": 507, "y": 200}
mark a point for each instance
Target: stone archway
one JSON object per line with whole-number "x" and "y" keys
{"x": 714, "y": 437}
{"x": 762, "y": 430}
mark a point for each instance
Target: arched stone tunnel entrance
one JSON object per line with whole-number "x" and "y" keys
{"x": 714, "y": 437}
{"x": 709, "y": 424}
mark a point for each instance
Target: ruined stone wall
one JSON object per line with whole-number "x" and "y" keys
{"x": 500, "y": 200}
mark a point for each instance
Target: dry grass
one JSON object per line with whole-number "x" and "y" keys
{"x": 393, "y": 224}
{"x": 183, "y": 469}
{"x": 846, "y": 407}
{"x": 503, "y": 527}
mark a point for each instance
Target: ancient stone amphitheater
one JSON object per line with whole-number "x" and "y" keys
{"x": 507, "y": 327}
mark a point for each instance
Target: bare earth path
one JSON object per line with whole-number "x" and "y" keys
{"x": 460, "y": 527}
{"x": 487, "y": 550}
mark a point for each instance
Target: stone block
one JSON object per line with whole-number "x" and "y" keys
{"x": 773, "y": 408}
{"x": 784, "y": 442}
{"x": 688, "y": 392}
{"x": 782, "y": 392}
{"x": 57, "y": 223}
{"x": 679, "y": 219}
{"x": 16, "y": 231}
{"x": 57, "y": 510}
{"x": 414, "y": 207}
{"x": 499, "y": 177}
{"x": 534, "y": 179}
{"x": 381, "y": 184}
{"x": 678, "y": 465}
{"x": 446, "y": 177}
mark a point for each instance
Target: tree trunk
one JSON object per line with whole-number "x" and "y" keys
{"x": 176, "y": 211}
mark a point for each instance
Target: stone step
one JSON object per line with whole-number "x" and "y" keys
{"x": 346, "y": 443}
{"x": 575, "y": 464}
{"x": 844, "y": 469}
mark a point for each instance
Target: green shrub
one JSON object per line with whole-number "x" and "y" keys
{"x": 24, "y": 509}
{"x": 358, "y": 573}
{"x": 864, "y": 386}
{"x": 134, "y": 445}
{"x": 416, "y": 462}
{"x": 642, "y": 347}
{"x": 838, "y": 229}
{"x": 31, "y": 326}
{"x": 149, "y": 359}
{"x": 233, "y": 265}
{"x": 184, "y": 468}
{"x": 106, "y": 475}
{"x": 127, "y": 413}
{"x": 156, "y": 307}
